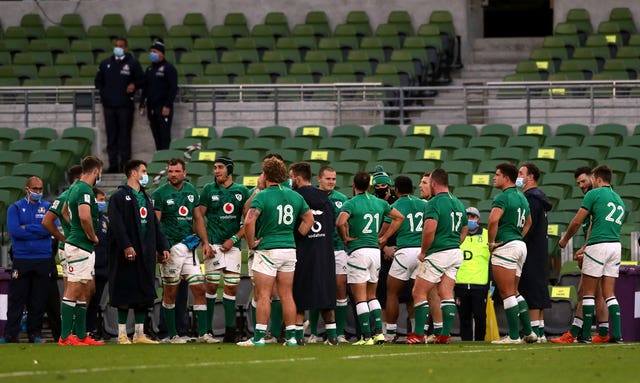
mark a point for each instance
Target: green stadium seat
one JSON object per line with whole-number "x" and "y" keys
{"x": 262, "y": 144}
{"x": 31, "y": 169}
{"x": 514, "y": 155}
{"x": 569, "y": 166}
{"x": 471, "y": 194}
{"x": 70, "y": 149}
{"x": 277, "y": 132}
{"x": 296, "y": 146}
{"x": 591, "y": 155}
{"x": 32, "y": 25}
{"x": 466, "y": 131}
{"x": 372, "y": 143}
{"x": 618, "y": 131}
{"x": 528, "y": 143}
{"x": 362, "y": 156}
{"x": 237, "y": 22}
{"x": 352, "y": 132}
{"x": 314, "y": 132}
{"x": 85, "y": 137}
{"x": 503, "y": 131}
{"x": 26, "y": 146}
{"x": 576, "y": 130}
{"x": 360, "y": 21}
{"x": 428, "y": 130}
{"x": 323, "y": 156}
{"x": 195, "y": 170}
{"x": 156, "y": 25}
{"x": 402, "y": 21}
{"x": 241, "y": 133}
{"x": 397, "y": 156}
{"x": 15, "y": 39}
{"x": 487, "y": 142}
{"x": 391, "y": 132}
{"x": 197, "y": 23}
{"x": 448, "y": 143}
{"x": 346, "y": 168}
{"x": 320, "y": 23}
{"x": 73, "y": 25}
{"x": 179, "y": 38}
{"x": 114, "y": 23}
{"x": 187, "y": 144}
{"x": 336, "y": 143}
{"x": 40, "y": 53}
{"x": 419, "y": 167}
{"x": 41, "y": 134}
{"x": 223, "y": 145}
{"x": 205, "y": 132}
{"x": 278, "y": 22}
{"x": 167, "y": 154}
{"x": 603, "y": 142}
{"x": 535, "y": 129}
{"x": 15, "y": 187}
{"x": 474, "y": 155}
{"x": 7, "y": 135}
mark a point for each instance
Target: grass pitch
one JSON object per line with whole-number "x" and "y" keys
{"x": 458, "y": 362}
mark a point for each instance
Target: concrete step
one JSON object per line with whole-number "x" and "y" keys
{"x": 504, "y": 50}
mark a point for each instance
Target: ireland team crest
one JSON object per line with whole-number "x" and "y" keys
{"x": 143, "y": 212}
{"x": 228, "y": 208}
{"x": 239, "y": 197}
{"x": 183, "y": 211}
{"x": 190, "y": 198}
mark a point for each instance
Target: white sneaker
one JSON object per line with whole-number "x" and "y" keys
{"x": 314, "y": 339}
{"x": 342, "y": 339}
{"x": 208, "y": 338}
{"x": 305, "y": 326}
{"x": 177, "y": 339}
{"x": 531, "y": 338}
{"x": 542, "y": 339}
{"x": 507, "y": 340}
{"x": 250, "y": 343}
{"x": 291, "y": 342}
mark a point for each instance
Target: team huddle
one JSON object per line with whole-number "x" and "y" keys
{"x": 309, "y": 246}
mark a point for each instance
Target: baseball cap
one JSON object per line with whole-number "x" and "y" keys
{"x": 473, "y": 211}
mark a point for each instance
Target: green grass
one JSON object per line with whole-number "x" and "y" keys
{"x": 458, "y": 362}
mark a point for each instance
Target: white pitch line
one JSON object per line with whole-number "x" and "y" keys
{"x": 430, "y": 351}
{"x": 17, "y": 374}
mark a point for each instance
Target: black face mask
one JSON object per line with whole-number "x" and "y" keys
{"x": 381, "y": 192}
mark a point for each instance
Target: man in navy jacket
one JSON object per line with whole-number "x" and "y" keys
{"x": 32, "y": 253}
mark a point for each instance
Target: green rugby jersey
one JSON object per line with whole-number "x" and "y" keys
{"x": 608, "y": 214}
{"x": 279, "y": 208}
{"x": 56, "y": 208}
{"x": 337, "y": 199}
{"x": 451, "y": 216}
{"x": 224, "y": 210}
{"x": 410, "y": 232}
{"x": 81, "y": 193}
{"x": 176, "y": 207}
{"x": 144, "y": 211}
{"x": 515, "y": 209}
{"x": 366, "y": 214}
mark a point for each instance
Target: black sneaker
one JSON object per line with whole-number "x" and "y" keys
{"x": 614, "y": 340}
{"x": 230, "y": 335}
{"x": 333, "y": 341}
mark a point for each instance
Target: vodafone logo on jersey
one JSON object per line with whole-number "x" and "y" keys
{"x": 143, "y": 212}
{"x": 183, "y": 211}
{"x": 228, "y": 208}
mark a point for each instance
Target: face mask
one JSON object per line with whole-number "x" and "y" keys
{"x": 381, "y": 193}
{"x": 154, "y": 57}
{"x": 118, "y": 52}
{"x": 102, "y": 206}
{"x": 35, "y": 196}
{"x": 473, "y": 224}
{"x": 98, "y": 180}
{"x": 145, "y": 180}
{"x": 520, "y": 182}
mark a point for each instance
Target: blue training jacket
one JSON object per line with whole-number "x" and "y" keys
{"x": 33, "y": 241}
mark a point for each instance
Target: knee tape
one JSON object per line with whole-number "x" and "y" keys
{"x": 213, "y": 277}
{"x": 231, "y": 279}
{"x": 195, "y": 279}
{"x": 170, "y": 281}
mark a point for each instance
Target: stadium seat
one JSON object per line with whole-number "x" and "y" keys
{"x": 352, "y": 132}
{"x": 361, "y": 156}
{"x": 85, "y": 136}
{"x": 360, "y": 21}
{"x": 114, "y": 23}
{"x": 397, "y": 156}
{"x": 618, "y": 131}
{"x": 503, "y": 131}
{"x": 156, "y": 25}
{"x": 338, "y": 143}
{"x": 314, "y": 132}
{"x": 559, "y": 316}
{"x": 414, "y": 143}
{"x": 419, "y": 167}
{"x": 373, "y": 143}
{"x": 241, "y": 133}
{"x": 31, "y": 24}
{"x": 278, "y": 23}
{"x": 7, "y": 135}
{"x": 323, "y": 156}
{"x": 197, "y": 24}
{"x": 513, "y": 155}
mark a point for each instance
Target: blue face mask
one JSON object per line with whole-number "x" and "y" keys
{"x": 36, "y": 197}
{"x": 102, "y": 206}
{"x": 473, "y": 224}
{"x": 520, "y": 182}
{"x": 144, "y": 180}
{"x": 154, "y": 57}
{"x": 118, "y": 52}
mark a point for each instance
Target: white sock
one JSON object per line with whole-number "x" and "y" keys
{"x": 139, "y": 329}
{"x": 122, "y": 329}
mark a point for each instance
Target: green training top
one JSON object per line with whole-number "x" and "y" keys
{"x": 337, "y": 199}
{"x": 515, "y": 209}
{"x": 176, "y": 207}
{"x": 608, "y": 214}
{"x": 56, "y": 208}
{"x": 144, "y": 212}
{"x": 410, "y": 232}
{"x": 366, "y": 213}
{"x": 279, "y": 208}
{"x": 81, "y": 193}
{"x": 224, "y": 210}
{"x": 451, "y": 216}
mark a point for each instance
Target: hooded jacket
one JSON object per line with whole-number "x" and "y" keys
{"x": 29, "y": 239}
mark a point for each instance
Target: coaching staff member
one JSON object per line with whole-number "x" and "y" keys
{"x": 160, "y": 88}
{"x": 117, "y": 79}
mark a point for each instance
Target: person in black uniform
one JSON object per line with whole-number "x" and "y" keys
{"x": 160, "y": 89}
{"x": 314, "y": 281}
{"x": 117, "y": 79}
{"x": 535, "y": 272}
{"x": 101, "y": 267}
{"x": 135, "y": 240}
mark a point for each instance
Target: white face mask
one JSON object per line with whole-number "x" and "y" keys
{"x": 145, "y": 180}
{"x": 520, "y": 182}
